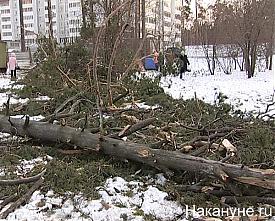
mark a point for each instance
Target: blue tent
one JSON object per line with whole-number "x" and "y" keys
{"x": 149, "y": 64}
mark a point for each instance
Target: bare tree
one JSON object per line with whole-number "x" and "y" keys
{"x": 22, "y": 28}
{"x": 51, "y": 37}
{"x": 245, "y": 22}
{"x": 206, "y": 32}
{"x": 185, "y": 13}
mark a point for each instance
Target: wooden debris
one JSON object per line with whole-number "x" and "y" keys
{"x": 24, "y": 199}
{"x": 23, "y": 180}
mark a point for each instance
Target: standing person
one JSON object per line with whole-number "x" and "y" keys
{"x": 184, "y": 62}
{"x": 156, "y": 60}
{"x": 12, "y": 65}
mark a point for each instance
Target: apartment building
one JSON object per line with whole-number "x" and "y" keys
{"x": 162, "y": 19}
{"x": 66, "y": 19}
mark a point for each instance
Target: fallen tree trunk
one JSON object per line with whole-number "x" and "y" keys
{"x": 157, "y": 158}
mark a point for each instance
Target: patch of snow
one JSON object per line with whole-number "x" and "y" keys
{"x": 105, "y": 116}
{"x": 4, "y": 135}
{"x": 248, "y": 95}
{"x": 145, "y": 106}
{"x": 2, "y": 172}
{"x": 119, "y": 200}
{"x": 4, "y": 98}
{"x": 160, "y": 179}
{"x": 124, "y": 139}
{"x": 148, "y": 74}
{"x": 155, "y": 203}
{"x": 6, "y": 83}
{"x": 141, "y": 106}
{"x": 35, "y": 118}
{"x": 42, "y": 98}
{"x": 26, "y": 166}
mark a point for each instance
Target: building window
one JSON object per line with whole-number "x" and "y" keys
{"x": 5, "y": 11}
{"x": 27, "y": 9}
{"x": 28, "y": 25}
{"x": 5, "y": 19}
{"x": 74, "y": 30}
{"x": 27, "y": 1}
{"x": 6, "y": 26}
{"x": 5, "y": 3}
{"x": 28, "y": 17}
{"x": 7, "y": 34}
{"x": 167, "y": 14}
{"x": 74, "y": 22}
{"x": 74, "y": 4}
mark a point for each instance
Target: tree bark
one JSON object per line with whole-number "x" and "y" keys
{"x": 160, "y": 159}
{"x": 84, "y": 14}
{"x": 22, "y": 27}
{"x": 51, "y": 37}
{"x": 137, "y": 20}
{"x": 270, "y": 61}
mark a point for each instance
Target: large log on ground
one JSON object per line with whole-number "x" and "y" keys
{"x": 161, "y": 159}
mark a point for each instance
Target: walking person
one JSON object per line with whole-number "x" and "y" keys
{"x": 12, "y": 65}
{"x": 184, "y": 62}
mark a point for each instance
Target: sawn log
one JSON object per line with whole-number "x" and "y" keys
{"x": 157, "y": 158}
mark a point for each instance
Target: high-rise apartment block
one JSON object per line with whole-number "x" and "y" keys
{"x": 66, "y": 19}
{"x": 163, "y": 18}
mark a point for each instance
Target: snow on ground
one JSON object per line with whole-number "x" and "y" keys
{"x": 36, "y": 118}
{"x": 248, "y": 95}
{"x": 141, "y": 106}
{"x": 42, "y": 98}
{"x": 26, "y": 166}
{"x": 129, "y": 200}
{"x": 119, "y": 200}
{"x": 6, "y": 83}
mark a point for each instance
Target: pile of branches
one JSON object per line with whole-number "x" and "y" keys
{"x": 176, "y": 137}
{"x": 163, "y": 138}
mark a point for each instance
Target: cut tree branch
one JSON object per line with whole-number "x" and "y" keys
{"x": 23, "y": 180}
{"x": 133, "y": 128}
{"x": 110, "y": 68}
{"x": 25, "y": 198}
